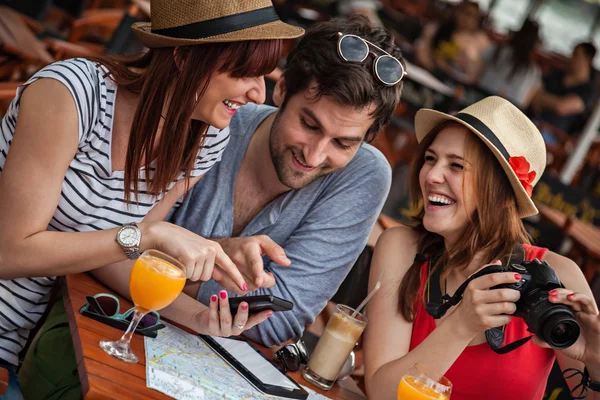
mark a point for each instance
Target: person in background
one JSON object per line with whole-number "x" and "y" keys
{"x": 368, "y": 8}
{"x": 471, "y": 184}
{"x": 95, "y": 152}
{"x": 510, "y": 70}
{"x": 567, "y": 95}
{"x": 454, "y": 48}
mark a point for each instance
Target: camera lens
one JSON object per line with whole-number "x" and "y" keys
{"x": 559, "y": 328}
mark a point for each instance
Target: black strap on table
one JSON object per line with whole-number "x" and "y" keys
{"x": 221, "y": 25}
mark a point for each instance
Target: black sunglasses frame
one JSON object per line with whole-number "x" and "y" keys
{"x": 340, "y": 37}
{"x": 291, "y": 356}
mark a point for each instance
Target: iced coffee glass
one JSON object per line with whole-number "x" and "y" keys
{"x": 334, "y": 347}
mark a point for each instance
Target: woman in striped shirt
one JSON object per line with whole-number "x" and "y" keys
{"x": 88, "y": 146}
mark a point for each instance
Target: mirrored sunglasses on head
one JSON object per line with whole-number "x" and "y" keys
{"x": 291, "y": 356}
{"x": 387, "y": 68}
{"x": 105, "y": 308}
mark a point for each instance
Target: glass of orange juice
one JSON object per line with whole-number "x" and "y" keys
{"x": 420, "y": 383}
{"x": 155, "y": 282}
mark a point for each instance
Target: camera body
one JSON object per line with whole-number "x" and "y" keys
{"x": 554, "y": 323}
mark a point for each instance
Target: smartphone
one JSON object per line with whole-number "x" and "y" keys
{"x": 260, "y": 303}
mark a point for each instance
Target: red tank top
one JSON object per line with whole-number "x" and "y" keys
{"x": 479, "y": 373}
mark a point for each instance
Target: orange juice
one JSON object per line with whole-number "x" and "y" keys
{"x": 154, "y": 283}
{"x": 412, "y": 389}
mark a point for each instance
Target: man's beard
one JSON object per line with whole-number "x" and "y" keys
{"x": 281, "y": 156}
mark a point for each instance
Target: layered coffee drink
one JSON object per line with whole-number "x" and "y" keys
{"x": 334, "y": 347}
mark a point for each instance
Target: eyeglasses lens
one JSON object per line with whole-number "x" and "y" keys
{"x": 353, "y": 48}
{"x": 147, "y": 320}
{"x": 107, "y": 304}
{"x": 389, "y": 70}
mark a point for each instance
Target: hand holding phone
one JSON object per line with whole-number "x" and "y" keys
{"x": 260, "y": 303}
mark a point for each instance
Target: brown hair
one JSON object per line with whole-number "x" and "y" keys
{"x": 316, "y": 59}
{"x": 495, "y": 227}
{"x": 166, "y": 80}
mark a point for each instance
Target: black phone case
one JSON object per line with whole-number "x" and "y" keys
{"x": 260, "y": 303}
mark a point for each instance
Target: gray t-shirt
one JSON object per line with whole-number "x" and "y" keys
{"x": 323, "y": 227}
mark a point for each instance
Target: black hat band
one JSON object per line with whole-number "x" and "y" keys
{"x": 485, "y": 131}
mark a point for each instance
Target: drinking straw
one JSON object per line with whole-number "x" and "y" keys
{"x": 371, "y": 294}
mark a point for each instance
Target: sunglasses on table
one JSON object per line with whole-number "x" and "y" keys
{"x": 105, "y": 308}
{"x": 386, "y": 68}
{"x": 291, "y": 356}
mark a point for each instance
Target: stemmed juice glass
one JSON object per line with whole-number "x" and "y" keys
{"x": 155, "y": 282}
{"x": 420, "y": 383}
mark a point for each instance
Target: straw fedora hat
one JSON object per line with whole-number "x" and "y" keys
{"x": 188, "y": 22}
{"x": 510, "y": 135}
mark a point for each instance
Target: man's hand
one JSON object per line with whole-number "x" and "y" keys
{"x": 246, "y": 253}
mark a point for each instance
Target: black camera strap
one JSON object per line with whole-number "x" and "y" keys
{"x": 437, "y": 304}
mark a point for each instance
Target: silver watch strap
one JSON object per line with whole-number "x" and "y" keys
{"x": 132, "y": 253}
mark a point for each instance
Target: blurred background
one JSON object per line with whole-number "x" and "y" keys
{"x": 539, "y": 54}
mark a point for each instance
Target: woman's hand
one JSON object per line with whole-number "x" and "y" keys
{"x": 587, "y": 348}
{"x": 198, "y": 255}
{"x": 481, "y": 309}
{"x": 218, "y": 321}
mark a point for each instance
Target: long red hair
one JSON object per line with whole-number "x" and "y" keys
{"x": 163, "y": 78}
{"x": 494, "y": 229}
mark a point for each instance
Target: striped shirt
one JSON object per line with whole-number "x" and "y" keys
{"x": 92, "y": 196}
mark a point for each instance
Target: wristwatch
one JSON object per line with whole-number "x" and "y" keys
{"x": 129, "y": 238}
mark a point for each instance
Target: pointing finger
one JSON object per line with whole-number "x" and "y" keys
{"x": 274, "y": 251}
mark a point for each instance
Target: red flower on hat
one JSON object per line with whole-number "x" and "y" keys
{"x": 521, "y": 167}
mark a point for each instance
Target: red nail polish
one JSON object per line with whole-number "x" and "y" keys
{"x": 552, "y": 292}
{"x": 244, "y": 306}
{"x": 518, "y": 277}
{"x": 213, "y": 298}
{"x": 244, "y": 287}
{"x": 553, "y": 297}
{"x": 570, "y": 296}
{"x": 223, "y": 294}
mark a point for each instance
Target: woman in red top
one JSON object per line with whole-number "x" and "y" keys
{"x": 471, "y": 185}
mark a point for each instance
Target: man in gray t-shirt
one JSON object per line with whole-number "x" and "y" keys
{"x": 303, "y": 177}
{"x": 297, "y": 190}
{"x": 322, "y": 227}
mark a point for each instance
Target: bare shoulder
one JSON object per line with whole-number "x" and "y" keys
{"x": 568, "y": 272}
{"x": 399, "y": 238}
{"x": 561, "y": 264}
{"x": 396, "y": 250}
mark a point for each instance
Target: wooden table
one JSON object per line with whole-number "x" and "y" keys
{"x": 105, "y": 377}
{"x": 585, "y": 235}
{"x": 17, "y": 39}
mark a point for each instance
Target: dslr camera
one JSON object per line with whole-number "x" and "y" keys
{"x": 553, "y": 323}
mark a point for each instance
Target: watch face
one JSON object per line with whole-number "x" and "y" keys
{"x": 129, "y": 236}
